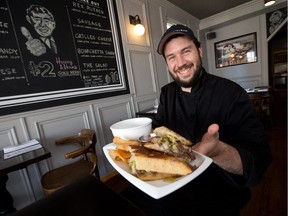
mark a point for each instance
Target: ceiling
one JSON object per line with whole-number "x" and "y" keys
{"x": 205, "y": 8}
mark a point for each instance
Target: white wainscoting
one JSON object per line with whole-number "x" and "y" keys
{"x": 50, "y": 124}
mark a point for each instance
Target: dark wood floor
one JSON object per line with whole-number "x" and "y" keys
{"x": 269, "y": 198}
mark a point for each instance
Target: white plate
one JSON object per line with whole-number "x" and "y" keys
{"x": 158, "y": 188}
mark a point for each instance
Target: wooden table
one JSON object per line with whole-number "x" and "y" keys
{"x": 12, "y": 164}
{"x": 256, "y": 90}
{"x": 147, "y": 113}
{"x": 22, "y": 161}
{"x": 88, "y": 196}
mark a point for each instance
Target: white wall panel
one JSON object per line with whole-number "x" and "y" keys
{"x": 20, "y": 187}
{"x": 248, "y": 83}
{"x": 47, "y": 127}
{"x": 146, "y": 104}
{"x": 107, "y": 114}
{"x": 12, "y": 132}
{"x": 144, "y": 76}
{"x": 158, "y": 18}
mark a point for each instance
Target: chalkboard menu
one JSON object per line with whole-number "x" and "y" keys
{"x": 54, "y": 52}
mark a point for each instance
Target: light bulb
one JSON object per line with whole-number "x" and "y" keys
{"x": 139, "y": 29}
{"x": 268, "y": 3}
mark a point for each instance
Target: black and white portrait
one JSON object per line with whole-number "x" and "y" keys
{"x": 44, "y": 24}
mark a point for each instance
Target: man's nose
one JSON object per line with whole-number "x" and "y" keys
{"x": 42, "y": 22}
{"x": 180, "y": 60}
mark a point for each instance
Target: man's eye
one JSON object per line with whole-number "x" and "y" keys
{"x": 35, "y": 19}
{"x": 170, "y": 58}
{"x": 186, "y": 51}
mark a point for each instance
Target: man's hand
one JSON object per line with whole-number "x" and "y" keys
{"x": 35, "y": 46}
{"x": 209, "y": 143}
{"x": 224, "y": 155}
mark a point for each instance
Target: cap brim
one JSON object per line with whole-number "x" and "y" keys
{"x": 163, "y": 41}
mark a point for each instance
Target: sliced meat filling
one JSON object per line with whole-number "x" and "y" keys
{"x": 175, "y": 148}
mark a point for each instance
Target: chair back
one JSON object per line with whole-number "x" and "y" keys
{"x": 87, "y": 140}
{"x": 86, "y": 165}
{"x": 257, "y": 101}
{"x": 268, "y": 97}
{"x": 267, "y": 104}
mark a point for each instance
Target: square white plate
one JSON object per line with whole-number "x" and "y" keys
{"x": 158, "y": 188}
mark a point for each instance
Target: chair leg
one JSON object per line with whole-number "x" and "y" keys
{"x": 96, "y": 172}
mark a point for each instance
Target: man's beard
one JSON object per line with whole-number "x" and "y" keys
{"x": 191, "y": 82}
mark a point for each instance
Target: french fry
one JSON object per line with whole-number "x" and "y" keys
{"x": 123, "y": 146}
{"x": 120, "y": 155}
{"x": 114, "y": 154}
{"x": 124, "y": 154}
{"x": 119, "y": 141}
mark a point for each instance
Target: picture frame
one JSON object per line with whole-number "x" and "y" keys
{"x": 86, "y": 63}
{"x": 236, "y": 51}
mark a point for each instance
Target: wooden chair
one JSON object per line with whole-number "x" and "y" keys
{"x": 267, "y": 103}
{"x": 270, "y": 88}
{"x": 256, "y": 100}
{"x": 86, "y": 165}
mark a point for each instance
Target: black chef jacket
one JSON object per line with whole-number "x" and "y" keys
{"x": 214, "y": 100}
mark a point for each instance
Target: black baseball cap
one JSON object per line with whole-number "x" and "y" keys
{"x": 177, "y": 29}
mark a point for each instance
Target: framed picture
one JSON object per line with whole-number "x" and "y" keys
{"x": 236, "y": 51}
{"x": 43, "y": 67}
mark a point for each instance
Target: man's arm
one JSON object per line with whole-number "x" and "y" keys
{"x": 224, "y": 155}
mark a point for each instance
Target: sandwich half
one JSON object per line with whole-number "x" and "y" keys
{"x": 149, "y": 164}
{"x": 171, "y": 143}
{"x": 166, "y": 132}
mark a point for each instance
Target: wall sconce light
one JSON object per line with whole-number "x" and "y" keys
{"x": 139, "y": 28}
{"x": 268, "y": 2}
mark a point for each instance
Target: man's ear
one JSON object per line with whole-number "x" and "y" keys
{"x": 200, "y": 51}
{"x": 28, "y": 19}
